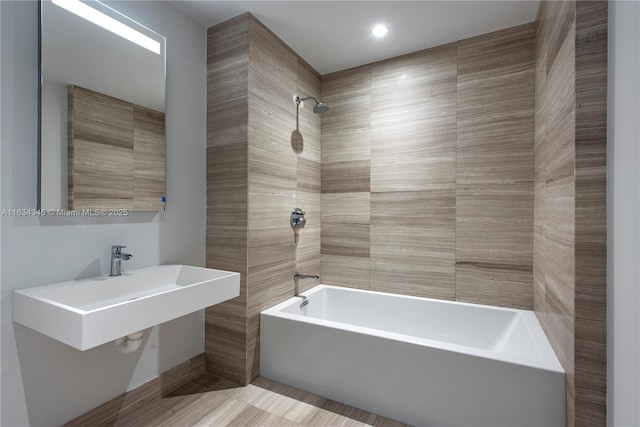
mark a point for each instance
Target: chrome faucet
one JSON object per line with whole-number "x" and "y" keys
{"x": 297, "y": 276}
{"x": 116, "y": 259}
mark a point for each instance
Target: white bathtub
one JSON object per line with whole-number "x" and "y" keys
{"x": 421, "y": 361}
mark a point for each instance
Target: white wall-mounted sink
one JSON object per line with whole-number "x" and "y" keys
{"x": 90, "y": 312}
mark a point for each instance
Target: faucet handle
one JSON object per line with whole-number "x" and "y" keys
{"x": 116, "y": 249}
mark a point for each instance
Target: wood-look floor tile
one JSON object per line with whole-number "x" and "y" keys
{"x": 334, "y": 414}
{"x": 224, "y": 414}
{"x": 252, "y": 416}
{"x": 152, "y": 414}
{"x": 287, "y": 402}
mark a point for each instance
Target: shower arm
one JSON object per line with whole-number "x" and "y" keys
{"x": 299, "y": 100}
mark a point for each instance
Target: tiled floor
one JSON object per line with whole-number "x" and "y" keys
{"x": 211, "y": 401}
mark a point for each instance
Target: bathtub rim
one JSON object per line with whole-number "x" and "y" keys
{"x": 548, "y": 361}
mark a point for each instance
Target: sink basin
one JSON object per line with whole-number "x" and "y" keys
{"x": 90, "y": 312}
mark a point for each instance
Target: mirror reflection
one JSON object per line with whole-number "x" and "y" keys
{"x": 102, "y": 132}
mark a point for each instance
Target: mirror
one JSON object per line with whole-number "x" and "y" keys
{"x": 102, "y": 105}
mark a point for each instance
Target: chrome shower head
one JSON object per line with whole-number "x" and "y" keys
{"x": 319, "y": 108}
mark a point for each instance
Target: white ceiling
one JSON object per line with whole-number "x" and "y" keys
{"x": 336, "y": 35}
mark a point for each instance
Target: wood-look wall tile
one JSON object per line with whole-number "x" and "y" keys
{"x": 591, "y": 372}
{"x": 346, "y": 113}
{"x": 227, "y": 79}
{"x": 347, "y": 83}
{"x": 345, "y": 224}
{"x": 308, "y": 176}
{"x": 493, "y": 284}
{"x": 591, "y": 213}
{"x": 227, "y": 186}
{"x": 227, "y": 123}
{"x": 100, "y": 118}
{"x": 227, "y": 246}
{"x": 413, "y": 156}
{"x": 387, "y": 113}
{"x": 226, "y": 354}
{"x": 256, "y": 173}
{"x": 491, "y": 54}
{"x": 309, "y": 130}
{"x": 427, "y": 208}
{"x": 309, "y": 123}
{"x": 148, "y": 159}
{"x": 310, "y": 203}
{"x": 350, "y": 145}
{"x": 228, "y": 61}
{"x": 271, "y": 256}
{"x": 346, "y": 177}
{"x": 413, "y": 87}
{"x": 416, "y": 261}
{"x": 494, "y": 245}
{"x": 591, "y": 159}
{"x": 269, "y": 134}
{"x": 273, "y": 70}
{"x": 270, "y": 209}
{"x": 414, "y": 175}
{"x": 561, "y": 323}
{"x": 228, "y": 39}
{"x": 351, "y": 240}
{"x": 94, "y": 165}
{"x": 308, "y": 242}
{"x": 308, "y": 256}
{"x": 347, "y": 271}
{"x": 427, "y": 138}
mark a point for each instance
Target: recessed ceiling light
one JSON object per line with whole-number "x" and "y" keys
{"x": 85, "y": 11}
{"x": 379, "y": 30}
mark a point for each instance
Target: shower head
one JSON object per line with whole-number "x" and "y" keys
{"x": 319, "y": 108}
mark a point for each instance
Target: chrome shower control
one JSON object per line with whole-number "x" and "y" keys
{"x": 297, "y": 218}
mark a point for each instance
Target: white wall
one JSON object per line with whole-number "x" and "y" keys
{"x": 43, "y": 381}
{"x": 623, "y": 329}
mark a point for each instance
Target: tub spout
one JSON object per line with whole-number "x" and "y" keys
{"x": 296, "y": 277}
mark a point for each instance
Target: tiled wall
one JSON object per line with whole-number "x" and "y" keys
{"x": 431, "y": 181}
{"x": 570, "y": 198}
{"x": 427, "y": 172}
{"x": 258, "y": 171}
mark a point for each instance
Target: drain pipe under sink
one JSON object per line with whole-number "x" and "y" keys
{"x": 130, "y": 343}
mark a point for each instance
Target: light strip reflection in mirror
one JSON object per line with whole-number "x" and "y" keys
{"x": 85, "y": 11}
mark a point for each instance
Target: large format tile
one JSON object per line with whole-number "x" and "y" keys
{"x": 345, "y": 224}
{"x": 348, "y": 271}
{"x": 416, "y": 261}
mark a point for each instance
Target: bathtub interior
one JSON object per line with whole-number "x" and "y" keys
{"x": 509, "y": 332}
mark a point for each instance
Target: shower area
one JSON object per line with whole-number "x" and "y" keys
{"x": 453, "y": 173}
